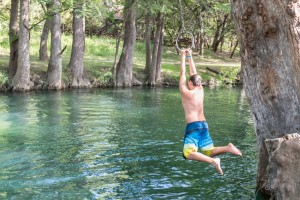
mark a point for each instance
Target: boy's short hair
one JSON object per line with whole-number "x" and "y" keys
{"x": 195, "y": 79}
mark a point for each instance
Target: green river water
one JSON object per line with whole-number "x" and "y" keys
{"x": 120, "y": 144}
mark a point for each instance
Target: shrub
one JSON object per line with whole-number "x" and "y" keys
{"x": 104, "y": 78}
{"x": 3, "y": 78}
{"x": 228, "y": 75}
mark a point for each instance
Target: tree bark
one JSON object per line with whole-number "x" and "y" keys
{"x": 124, "y": 66}
{"x": 159, "y": 54}
{"x": 13, "y": 39}
{"x": 148, "y": 44}
{"x": 280, "y": 179}
{"x": 155, "y": 53}
{"x": 234, "y": 48}
{"x": 21, "y": 80}
{"x": 43, "y": 52}
{"x": 76, "y": 61}
{"x": 219, "y": 34}
{"x": 54, "y": 72}
{"x": 269, "y": 42}
{"x": 114, "y": 68}
{"x": 200, "y": 41}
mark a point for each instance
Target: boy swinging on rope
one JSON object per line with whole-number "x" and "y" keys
{"x": 196, "y": 133}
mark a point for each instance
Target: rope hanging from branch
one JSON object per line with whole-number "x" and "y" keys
{"x": 185, "y": 39}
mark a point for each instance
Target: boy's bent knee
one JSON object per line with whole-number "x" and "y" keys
{"x": 208, "y": 152}
{"x": 187, "y": 150}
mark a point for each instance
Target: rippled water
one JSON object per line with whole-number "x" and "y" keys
{"x": 120, "y": 144}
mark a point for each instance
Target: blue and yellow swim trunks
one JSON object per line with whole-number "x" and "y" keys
{"x": 197, "y": 136}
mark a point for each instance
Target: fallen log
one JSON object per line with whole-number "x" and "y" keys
{"x": 214, "y": 71}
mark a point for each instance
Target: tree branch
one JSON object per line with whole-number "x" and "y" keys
{"x": 62, "y": 51}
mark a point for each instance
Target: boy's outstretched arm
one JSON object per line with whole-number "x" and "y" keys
{"x": 182, "y": 81}
{"x": 191, "y": 62}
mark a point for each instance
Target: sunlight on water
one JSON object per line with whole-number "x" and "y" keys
{"x": 120, "y": 144}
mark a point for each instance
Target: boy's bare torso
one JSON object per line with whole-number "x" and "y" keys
{"x": 193, "y": 105}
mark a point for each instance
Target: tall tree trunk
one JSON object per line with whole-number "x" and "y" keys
{"x": 43, "y": 52}
{"x": 124, "y": 66}
{"x": 153, "y": 66}
{"x": 78, "y": 45}
{"x": 159, "y": 54}
{"x": 118, "y": 40}
{"x": 200, "y": 36}
{"x": 148, "y": 44}
{"x": 13, "y": 39}
{"x": 270, "y": 51}
{"x": 114, "y": 68}
{"x": 219, "y": 34}
{"x": 54, "y": 72}
{"x": 21, "y": 80}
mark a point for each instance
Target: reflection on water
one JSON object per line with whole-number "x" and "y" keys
{"x": 120, "y": 144}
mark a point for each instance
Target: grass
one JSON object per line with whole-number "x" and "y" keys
{"x": 99, "y": 57}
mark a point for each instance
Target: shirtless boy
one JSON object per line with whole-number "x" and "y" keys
{"x": 196, "y": 133}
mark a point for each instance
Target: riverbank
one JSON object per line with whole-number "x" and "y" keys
{"x": 99, "y": 70}
{"x": 98, "y": 64}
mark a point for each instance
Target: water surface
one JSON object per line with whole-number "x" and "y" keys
{"x": 120, "y": 144}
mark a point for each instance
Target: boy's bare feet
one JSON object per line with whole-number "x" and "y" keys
{"x": 232, "y": 149}
{"x": 217, "y": 164}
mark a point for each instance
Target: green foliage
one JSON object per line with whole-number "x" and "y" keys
{"x": 4, "y": 14}
{"x": 222, "y": 7}
{"x": 4, "y": 43}
{"x": 100, "y": 16}
{"x": 228, "y": 75}
{"x": 100, "y": 51}
{"x": 104, "y": 78}
{"x": 3, "y": 78}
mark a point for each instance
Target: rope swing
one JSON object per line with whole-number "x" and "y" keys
{"x": 185, "y": 39}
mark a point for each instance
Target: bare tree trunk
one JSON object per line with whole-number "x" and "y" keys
{"x": 268, "y": 34}
{"x": 159, "y": 54}
{"x": 200, "y": 45}
{"x": 54, "y": 72}
{"x": 148, "y": 44}
{"x": 118, "y": 40}
{"x": 43, "y": 52}
{"x": 153, "y": 66}
{"x": 124, "y": 66}
{"x": 13, "y": 39}
{"x": 219, "y": 34}
{"x": 78, "y": 45}
{"x": 21, "y": 80}
{"x": 234, "y": 48}
{"x": 114, "y": 68}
